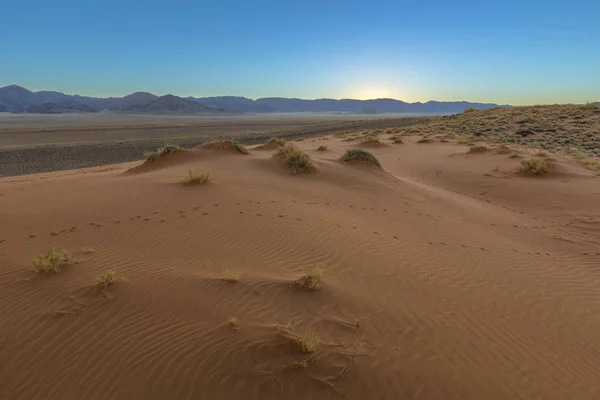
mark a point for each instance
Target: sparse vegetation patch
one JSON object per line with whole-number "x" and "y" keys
{"x": 51, "y": 261}
{"x": 312, "y": 280}
{"x": 370, "y": 139}
{"x": 360, "y": 155}
{"x": 322, "y": 148}
{"x": 231, "y": 277}
{"x": 535, "y": 166}
{"x": 161, "y": 152}
{"x": 478, "y": 149}
{"x": 275, "y": 140}
{"x": 193, "y": 177}
{"x": 296, "y": 159}
{"x": 107, "y": 278}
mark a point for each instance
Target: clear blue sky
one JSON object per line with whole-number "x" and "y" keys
{"x": 517, "y": 52}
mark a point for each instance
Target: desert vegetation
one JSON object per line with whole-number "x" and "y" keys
{"x": 551, "y": 128}
{"x": 312, "y": 280}
{"x": 360, "y": 156}
{"x": 161, "y": 152}
{"x": 370, "y": 140}
{"x": 535, "y": 166}
{"x": 107, "y": 278}
{"x": 478, "y": 149}
{"x": 307, "y": 343}
{"x": 51, "y": 261}
{"x": 277, "y": 141}
{"x": 296, "y": 159}
{"x": 193, "y": 177}
{"x": 322, "y": 148}
{"x": 231, "y": 277}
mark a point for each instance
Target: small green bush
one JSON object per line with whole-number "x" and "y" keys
{"x": 360, "y": 155}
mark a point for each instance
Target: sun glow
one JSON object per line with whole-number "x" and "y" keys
{"x": 372, "y": 92}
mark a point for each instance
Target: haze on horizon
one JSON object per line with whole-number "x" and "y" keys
{"x": 507, "y": 53}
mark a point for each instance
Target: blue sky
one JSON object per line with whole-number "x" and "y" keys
{"x": 517, "y": 52}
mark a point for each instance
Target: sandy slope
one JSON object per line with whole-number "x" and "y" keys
{"x": 467, "y": 280}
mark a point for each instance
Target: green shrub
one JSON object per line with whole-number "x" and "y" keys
{"x": 359, "y": 155}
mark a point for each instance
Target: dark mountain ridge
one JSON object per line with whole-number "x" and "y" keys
{"x": 18, "y": 99}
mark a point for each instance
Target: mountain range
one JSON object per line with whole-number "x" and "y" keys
{"x": 17, "y": 99}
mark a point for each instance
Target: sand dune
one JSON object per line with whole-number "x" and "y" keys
{"x": 447, "y": 275}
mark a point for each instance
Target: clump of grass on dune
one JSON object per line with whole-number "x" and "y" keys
{"x": 234, "y": 323}
{"x": 231, "y": 277}
{"x": 424, "y": 140}
{"x": 307, "y": 343}
{"x": 360, "y": 155}
{"x": 278, "y": 141}
{"x": 535, "y": 166}
{"x": 241, "y": 148}
{"x": 322, "y": 148}
{"x": 193, "y": 177}
{"x": 225, "y": 144}
{"x": 370, "y": 139}
{"x": 503, "y": 149}
{"x": 312, "y": 280}
{"x": 296, "y": 159}
{"x": 107, "y": 278}
{"x": 513, "y": 154}
{"x": 464, "y": 139}
{"x": 161, "y": 152}
{"x": 51, "y": 261}
{"x": 396, "y": 139}
{"x": 478, "y": 149}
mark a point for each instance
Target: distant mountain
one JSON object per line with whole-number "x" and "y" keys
{"x": 137, "y": 99}
{"x": 53, "y": 108}
{"x": 278, "y": 104}
{"x": 17, "y": 99}
{"x": 170, "y": 104}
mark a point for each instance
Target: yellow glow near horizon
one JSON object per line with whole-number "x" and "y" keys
{"x": 372, "y": 92}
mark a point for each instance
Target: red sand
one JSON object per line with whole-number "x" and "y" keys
{"x": 466, "y": 280}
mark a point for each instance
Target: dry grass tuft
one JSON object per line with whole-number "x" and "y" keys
{"x": 322, "y": 148}
{"x": 296, "y": 159}
{"x": 241, "y": 148}
{"x": 161, "y": 152}
{"x": 478, "y": 149}
{"x": 535, "y": 166}
{"x": 194, "y": 177}
{"x": 370, "y": 139}
{"x": 503, "y": 149}
{"x": 359, "y": 155}
{"x": 464, "y": 139}
{"x": 231, "y": 277}
{"x": 51, "y": 261}
{"x": 307, "y": 343}
{"x": 513, "y": 154}
{"x": 424, "y": 140}
{"x": 107, "y": 278}
{"x": 275, "y": 140}
{"x": 235, "y": 324}
{"x": 312, "y": 280}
